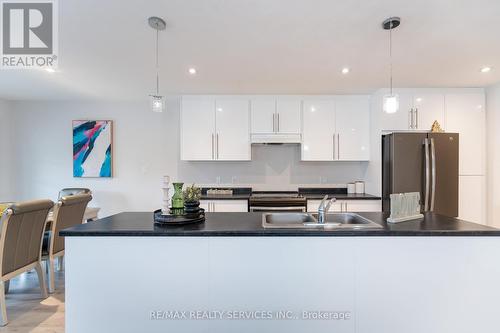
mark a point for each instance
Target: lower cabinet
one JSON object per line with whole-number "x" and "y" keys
{"x": 472, "y": 201}
{"x": 348, "y": 206}
{"x": 213, "y": 206}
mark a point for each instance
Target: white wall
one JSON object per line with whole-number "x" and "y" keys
{"x": 493, "y": 154}
{"x": 5, "y": 148}
{"x": 146, "y": 146}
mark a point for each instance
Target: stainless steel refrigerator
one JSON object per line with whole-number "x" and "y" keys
{"x": 425, "y": 163}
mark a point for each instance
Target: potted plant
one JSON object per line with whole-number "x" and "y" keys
{"x": 192, "y": 195}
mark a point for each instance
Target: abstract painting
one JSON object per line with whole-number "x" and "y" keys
{"x": 92, "y": 148}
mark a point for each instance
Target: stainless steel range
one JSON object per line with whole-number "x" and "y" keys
{"x": 277, "y": 202}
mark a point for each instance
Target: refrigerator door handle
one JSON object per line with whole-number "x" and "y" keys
{"x": 433, "y": 157}
{"x": 427, "y": 175}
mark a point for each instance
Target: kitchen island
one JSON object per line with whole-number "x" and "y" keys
{"x": 124, "y": 274}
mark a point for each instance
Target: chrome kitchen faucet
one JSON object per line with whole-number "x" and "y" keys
{"x": 323, "y": 208}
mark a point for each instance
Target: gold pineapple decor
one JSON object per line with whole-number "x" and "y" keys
{"x": 436, "y": 128}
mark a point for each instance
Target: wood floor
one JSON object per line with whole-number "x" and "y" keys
{"x": 28, "y": 312}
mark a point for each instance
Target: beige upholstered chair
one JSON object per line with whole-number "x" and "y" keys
{"x": 68, "y": 212}
{"x": 22, "y": 227}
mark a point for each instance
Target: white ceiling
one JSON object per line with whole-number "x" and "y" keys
{"x": 264, "y": 46}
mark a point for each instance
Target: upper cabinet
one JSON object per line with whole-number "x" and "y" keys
{"x": 232, "y": 137}
{"x": 427, "y": 108}
{"x": 263, "y": 115}
{"x": 215, "y": 129}
{"x": 353, "y": 128}
{"x": 465, "y": 115}
{"x": 318, "y": 137}
{"x": 288, "y": 115}
{"x": 336, "y": 129}
{"x": 418, "y": 109}
{"x": 275, "y": 119}
{"x": 197, "y": 129}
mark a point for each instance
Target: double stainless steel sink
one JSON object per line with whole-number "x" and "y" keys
{"x": 342, "y": 221}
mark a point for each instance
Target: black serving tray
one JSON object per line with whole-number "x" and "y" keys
{"x": 178, "y": 219}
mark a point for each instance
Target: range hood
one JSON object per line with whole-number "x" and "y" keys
{"x": 276, "y": 138}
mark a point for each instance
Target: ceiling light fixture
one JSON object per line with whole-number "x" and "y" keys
{"x": 391, "y": 101}
{"x": 192, "y": 71}
{"x": 345, "y": 70}
{"x": 157, "y": 101}
{"x": 485, "y": 69}
{"x": 50, "y": 70}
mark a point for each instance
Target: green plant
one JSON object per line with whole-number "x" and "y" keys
{"x": 192, "y": 193}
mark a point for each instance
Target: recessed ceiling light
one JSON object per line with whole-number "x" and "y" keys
{"x": 485, "y": 69}
{"x": 345, "y": 70}
{"x": 192, "y": 71}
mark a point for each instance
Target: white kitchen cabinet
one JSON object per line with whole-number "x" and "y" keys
{"x": 352, "y": 122}
{"x": 288, "y": 115}
{"x": 418, "y": 109}
{"x": 362, "y": 206}
{"x": 465, "y": 114}
{"x": 348, "y": 206}
{"x": 227, "y": 206}
{"x": 336, "y": 129}
{"x": 214, "y": 130}
{"x": 472, "y": 199}
{"x": 263, "y": 114}
{"x": 400, "y": 120}
{"x": 427, "y": 108}
{"x": 232, "y": 130}
{"x": 276, "y": 120}
{"x": 197, "y": 129}
{"x": 318, "y": 126}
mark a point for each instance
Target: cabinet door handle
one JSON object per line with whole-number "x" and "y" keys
{"x": 217, "y": 140}
{"x": 410, "y": 119}
{"x": 278, "y": 122}
{"x": 274, "y": 122}
{"x": 416, "y": 117}
{"x": 338, "y": 146}
{"x": 334, "y": 144}
{"x": 213, "y": 156}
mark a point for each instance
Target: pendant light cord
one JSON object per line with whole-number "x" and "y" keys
{"x": 157, "y": 67}
{"x": 390, "y": 52}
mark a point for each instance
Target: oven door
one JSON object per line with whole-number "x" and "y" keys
{"x": 264, "y": 209}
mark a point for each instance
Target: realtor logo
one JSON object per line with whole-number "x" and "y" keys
{"x": 29, "y": 34}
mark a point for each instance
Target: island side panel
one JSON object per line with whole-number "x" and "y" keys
{"x": 389, "y": 284}
{"x": 428, "y": 284}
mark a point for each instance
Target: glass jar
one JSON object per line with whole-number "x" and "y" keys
{"x": 178, "y": 199}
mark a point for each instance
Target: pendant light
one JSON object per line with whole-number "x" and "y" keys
{"x": 391, "y": 101}
{"x": 157, "y": 101}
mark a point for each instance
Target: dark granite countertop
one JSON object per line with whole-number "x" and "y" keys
{"x": 239, "y": 193}
{"x": 225, "y": 197}
{"x": 340, "y": 193}
{"x": 343, "y": 196}
{"x": 250, "y": 224}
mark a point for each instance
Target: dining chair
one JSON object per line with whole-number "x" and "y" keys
{"x": 22, "y": 228}
{"x": 68, "y": 212}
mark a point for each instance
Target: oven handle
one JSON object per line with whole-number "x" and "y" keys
{"x": 260, "y": 208}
